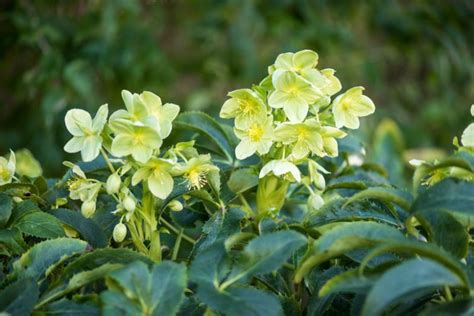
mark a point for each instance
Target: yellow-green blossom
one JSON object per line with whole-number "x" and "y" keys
{"x": 349, "y": 106}
{"x": 294, "y": 94}
{"x": 281, "y": 168}
{"x": 255, "y": 136}
{"x": 306, "y": 137}
{"x": 27, "y": 165}
{"x": 195, "y": 171}
{"x": 244, "y": 105}
{"x": 136, "y": 140}
{"x": 161, "y": 115}
{"x": 156, "y": 173}
{"x": 80, "y": 187}
{"x": 7, "y": 169}
{"x": 136, "y": 112}
{"x": 329, "y": 135}
{"x": 86, "y": 132}
{"x": 467, "y": 138}
{"x": 305, "y": 59}
{"x": 324, "y": 79}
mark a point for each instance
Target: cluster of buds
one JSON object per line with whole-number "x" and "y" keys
{"x": 290, "y": 118}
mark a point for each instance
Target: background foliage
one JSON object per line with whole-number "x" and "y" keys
{"x": 415, "y": 58}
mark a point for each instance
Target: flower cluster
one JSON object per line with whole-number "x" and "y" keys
{"x": 134, "y": 138}
{"x": 291, "y": 116}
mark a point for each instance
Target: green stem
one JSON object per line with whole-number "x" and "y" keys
{"x": 246, "y": 206}
{"x": 155, "y": 246}
{"x": 177, "y": 245}
{"x": 447, "y": 294}
{"x": 176, "y": 231}
{"x": 106, "y": 158}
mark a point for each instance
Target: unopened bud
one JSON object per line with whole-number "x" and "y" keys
{"x": 129, "y": 204}
{"x": 88, "y": 208}
{"x": 315, "y": 202}
{"x": 113, "y": 183}
{"x": 120, "y": 232}
{"x": 175, "y": 205}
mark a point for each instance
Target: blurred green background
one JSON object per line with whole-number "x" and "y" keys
{"x": 415, "y": 59}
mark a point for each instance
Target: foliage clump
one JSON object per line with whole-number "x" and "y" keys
{"x": 280, "y": 213}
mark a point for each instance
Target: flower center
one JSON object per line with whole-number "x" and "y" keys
{"x": 302, "y": 133}
{"x": 196, "y": 178}
{"x": 255, "y": 133}
{"x": 4, "y": 172}
{"x": 248, "y": 107}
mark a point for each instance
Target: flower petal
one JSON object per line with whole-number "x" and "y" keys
{"x": 305, "y": 59}
{"x": 91, "y": 148}
{"x": 77, "y": 121}
{"x": 74, "y": 145}
{"x": 245, "y": 149}
{"x": 296, "y": 109}
{"x": 160, "y": 184}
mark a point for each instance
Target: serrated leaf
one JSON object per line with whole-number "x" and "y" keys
{"x": 334, "y": 211}
{"x": 449, "y": 194}
{"x": 159, "y": 291}
{"x": 209, "y": 127}
{"x": 444, "y": 230}
{"x": 13, "y": 240}
{"x": 66, "y": 307}
{"x": 40, "y": 224}
{"x": 344, "y": 238}
{"x": 6, "y": 207}
{"x": 384, "y": 194}
{"x": 350, "y": 281}
{"x": 87, "y": 228}
{"x": 100, "y": 257}
{"x": 408, "y": 280}
{"x": 242, "y": 180}
{"x": 266, "y": 253}
{"x": 19, "y": 298}
{"x": 77, "y": 281}
{"x": 38, "y": 259}
{"x": 240, "y": 301}
{"x": 23, "y": 208}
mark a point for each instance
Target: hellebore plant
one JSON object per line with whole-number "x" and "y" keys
{"x": 277, "y": 212}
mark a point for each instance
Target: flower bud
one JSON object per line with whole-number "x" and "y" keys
{"x": 88, "y": 208}
{"x": 175, "y": 205}
{"x": 129, "y": 203}
{"x": 120, "y": 232}
{"x": 113, "y": 183}
{"x": 315, "y": 202}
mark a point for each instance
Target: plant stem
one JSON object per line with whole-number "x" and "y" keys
{"x": 106, "y": 158}
{"x": 177, "y": 245}
{"x": 176, "y": 231}
{"x": 246, "y": 206}
{"x": 447, "y": 294}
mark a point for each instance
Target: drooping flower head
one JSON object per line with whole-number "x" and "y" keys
{"x": 351, "y": 105}
{"x": 195, "y": 171}
{"x": 156, "y": 173}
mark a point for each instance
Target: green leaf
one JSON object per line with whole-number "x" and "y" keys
{"x": 385, "y": 194}
{"x": 13, "y": 240}
{"x": 208, "y": 127}
{"x": 344, "y": 238}
{"x": 36, "y": 262}
{"x": 334, "y": 211}
{"x": 19, "y": 298}
{"x": 459, "y": 307}
{"x": 87, "y": 228}
{"x": 242, "y": 180}
{"x": 409, "y": 280}
{"x": 387, "y": 150}
{"x": 421, "y": 249}
{"x": 66, "y": 307}
{"x": 240, "y": 301}
{"x": 156, "y": 292}
{"x": 77, "y": 281}
{"x": 40, "y": 224}
{"x": 100, "y": 257}
{"x": 350, "y": 281}
{"x": 449, "y": 194}
{"x": 265, "y": 254}
{"x": 22, "y": 209}
{"x": 6, "y": 206}
{"x": 444, "y": 230}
